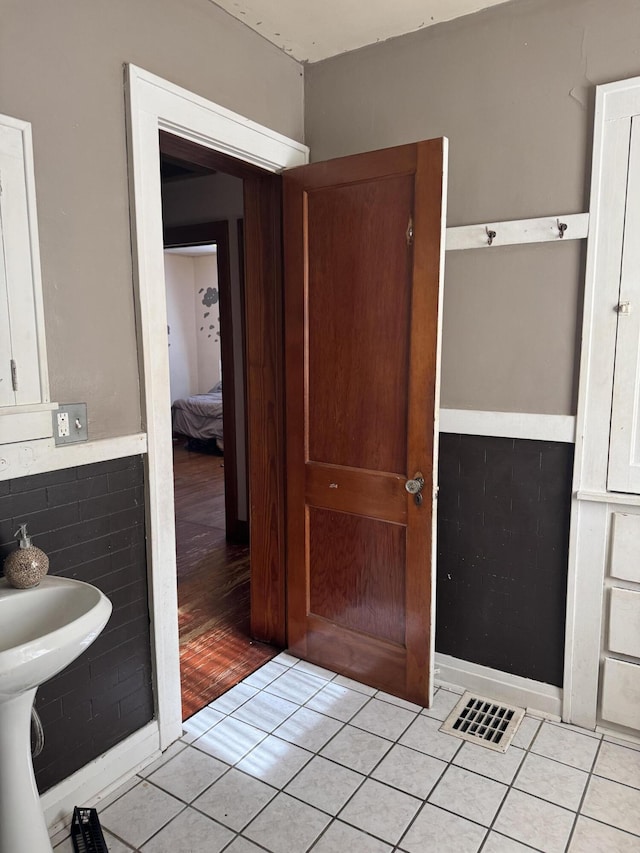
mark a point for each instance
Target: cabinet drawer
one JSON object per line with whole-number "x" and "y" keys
{"x": 625, "y": 551}
{"x": 621, "y": 693}
{"x": 624, "y": 622}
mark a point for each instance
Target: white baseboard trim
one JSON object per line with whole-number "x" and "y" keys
{"x": 509, "y": 424}
{"x": 100, "y": 777}
{"x": 536, "y": 697}
{"x": 38, "y": 457}
{"x": 622, "y": 735}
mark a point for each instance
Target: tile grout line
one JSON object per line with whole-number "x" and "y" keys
{"x": 592, "y": 774}
{"x": 334, "y": 817}
{"x": 426, "y": 799}
{"x": 359, "y": 828}
{"x": 153, "y": 834}
{"x": 510, "y": 787}
{"x": 583, "y": 797}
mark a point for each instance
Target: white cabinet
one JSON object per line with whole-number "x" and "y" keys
{"x": 620, "y": 689}
{"x": 24, "y": 388}
{"x": 603, "y": 614}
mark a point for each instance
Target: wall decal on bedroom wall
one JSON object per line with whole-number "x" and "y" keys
{"x": 210, "y": 298}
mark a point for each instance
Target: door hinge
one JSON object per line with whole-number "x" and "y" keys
{"x": 410, "y": 232}
{"x": 14, "y": 374}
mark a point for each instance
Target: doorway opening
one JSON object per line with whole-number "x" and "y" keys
{"x": 203, "y": 233}
{"x": 155, "y": 105}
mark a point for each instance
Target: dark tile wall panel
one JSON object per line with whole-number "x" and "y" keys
{"x": 503, "y": 540}
{"x": 90, "y": 521}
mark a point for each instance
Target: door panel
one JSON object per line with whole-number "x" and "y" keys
{"x": 356, "y": 573}
{"x": 363, "y": 259}
{"x": 345, "y": 289}
{"x": 379, "y": 495}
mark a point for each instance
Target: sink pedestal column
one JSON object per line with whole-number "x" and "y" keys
{"x": 22, "y": 823}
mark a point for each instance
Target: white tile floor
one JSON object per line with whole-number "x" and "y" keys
{"x": 297, "y": 759}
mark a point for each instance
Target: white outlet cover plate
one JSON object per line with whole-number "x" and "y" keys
{"x": 75, "y": 413}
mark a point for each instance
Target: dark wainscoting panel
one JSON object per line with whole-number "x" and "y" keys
{"x": 90, "y": 521}
{"x": 503, "y": 539}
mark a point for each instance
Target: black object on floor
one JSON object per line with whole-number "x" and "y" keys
{"x": 201, "y": 445}
{"x": 86, "y": 832}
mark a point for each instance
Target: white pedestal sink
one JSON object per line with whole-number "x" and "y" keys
{"x": 41, "y": 631}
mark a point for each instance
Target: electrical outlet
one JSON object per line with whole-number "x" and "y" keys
{"x": 63, "y": 424}
{"x": 70, "y": 423}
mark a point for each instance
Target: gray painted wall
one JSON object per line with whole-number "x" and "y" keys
{"x": 61, "y": 68}
{"x": 513, "y": 89}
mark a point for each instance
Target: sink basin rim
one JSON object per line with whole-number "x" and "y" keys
{"x": 31, "y": 615}
{"x": 55, "y": 649}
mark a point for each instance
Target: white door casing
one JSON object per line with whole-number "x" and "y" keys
{"x": 153, "y": 104}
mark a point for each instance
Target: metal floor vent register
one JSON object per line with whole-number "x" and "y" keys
{"x": 484, "y": 722}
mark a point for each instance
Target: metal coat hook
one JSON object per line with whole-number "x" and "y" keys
{"x": 491, "y": 235}
{"x": 562, "y": 227}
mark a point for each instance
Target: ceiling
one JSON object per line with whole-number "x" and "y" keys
{"x": 310, "y": 30}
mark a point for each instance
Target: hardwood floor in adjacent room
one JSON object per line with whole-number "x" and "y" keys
{"x": 216, "y": 650}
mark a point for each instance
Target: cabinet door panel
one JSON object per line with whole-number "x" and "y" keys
{"x": 624, "y": 448}
{"x": 7, "y": 394}
{"x": 18, "y": 271}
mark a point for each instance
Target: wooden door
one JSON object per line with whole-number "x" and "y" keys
{"x": 363, "y": 240}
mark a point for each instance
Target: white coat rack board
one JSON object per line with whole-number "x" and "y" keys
{"x": 547, "y": 229}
